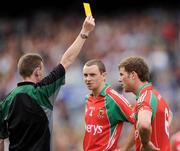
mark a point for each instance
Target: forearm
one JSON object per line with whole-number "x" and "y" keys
{"x": 129, "y": 142}
{"x": 144, "y": 133}
{"x": 72, "y": 52}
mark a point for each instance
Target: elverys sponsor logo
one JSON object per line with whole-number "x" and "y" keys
{"x": 94, "y": 129}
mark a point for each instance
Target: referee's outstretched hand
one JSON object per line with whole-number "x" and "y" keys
{"x": 88, "y": 25}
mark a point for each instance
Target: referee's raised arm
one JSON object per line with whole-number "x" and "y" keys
{"x": 72, "y": 52}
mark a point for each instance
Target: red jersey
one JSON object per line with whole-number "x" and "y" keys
{"x": 176, "y": 144}
{"x": 149, "y": 99}
{"x": 104, "y": 117}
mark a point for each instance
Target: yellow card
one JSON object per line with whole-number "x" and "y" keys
{"x": 87, "y": 9}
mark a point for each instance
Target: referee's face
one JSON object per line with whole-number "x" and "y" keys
{"x": 93, "y": 78}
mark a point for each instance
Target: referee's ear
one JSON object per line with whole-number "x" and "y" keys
{"x": 37, "y": 72}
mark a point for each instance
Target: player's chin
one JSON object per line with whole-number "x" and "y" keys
{"x": 123, "y": 88}
{"x": 90, "y": 87}
{"x": 126, "y": 89}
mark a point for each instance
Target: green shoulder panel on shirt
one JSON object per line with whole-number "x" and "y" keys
{"x": 39, "y": 98}
{"x": 141, "y": 88}
{"x": 103, "y": 91}
{"x": 153, "y": 104}
{"x": 40, "y": 95}
{"x": 85, "y": 99}
{"x": 115, "y": 114}
{"x": 50, "y": 89}
{"x": 6, "y": 103}
{"x": 4, "y": 108}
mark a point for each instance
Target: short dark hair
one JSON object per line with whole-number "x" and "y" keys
{"x": 138, "y": 65}
{"x": 97, "y": 62}
{"x": 27, "y": 63}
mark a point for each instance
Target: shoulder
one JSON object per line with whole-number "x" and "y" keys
{"x": 146, "y": 96}
{"x": 87, "y": 96}
{"x": 114, "y": 95}
{"x": 9, "y": 96}
{"x": 59, "y": 70}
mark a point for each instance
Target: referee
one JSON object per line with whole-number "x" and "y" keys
{"x": 25, "y": 113}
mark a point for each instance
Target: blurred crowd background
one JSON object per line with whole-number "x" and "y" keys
{"x": 152, "y": 33}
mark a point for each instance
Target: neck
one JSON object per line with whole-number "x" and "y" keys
{"x": 139, "y": 84}
{"x": 98, "y": 90}
{"x": 29, "y": 79}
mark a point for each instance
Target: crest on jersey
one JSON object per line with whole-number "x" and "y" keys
{"x": 101, "y": 113}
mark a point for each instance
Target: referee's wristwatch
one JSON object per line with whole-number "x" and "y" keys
{"x": 83, "y": 36}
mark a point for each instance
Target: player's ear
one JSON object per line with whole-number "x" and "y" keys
{"x": 36, "y": 72}
{"x": 104, "y": 74}
{"x": 133, "y": 74}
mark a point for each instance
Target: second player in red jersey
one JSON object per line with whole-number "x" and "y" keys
{"x": 151, "y": 111}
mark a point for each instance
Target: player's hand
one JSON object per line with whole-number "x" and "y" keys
{"x": 120, "y": 149}
{"x": 149, "y": 147}
{"x": 88, "y": 25}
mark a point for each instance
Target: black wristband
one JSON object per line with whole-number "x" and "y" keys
{"x": 83, "y": 36}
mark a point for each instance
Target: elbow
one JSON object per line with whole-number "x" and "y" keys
{"x": 144, "y": 126}
{"x": 144, "y": 133}
{"x": 66, "y": 63}
{"x": 144, "y": 129}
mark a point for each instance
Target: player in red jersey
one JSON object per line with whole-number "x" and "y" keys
{"x": 175, "y": 142}
{"x": 151, "y": 110}
{"x": 105, "y": 110}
